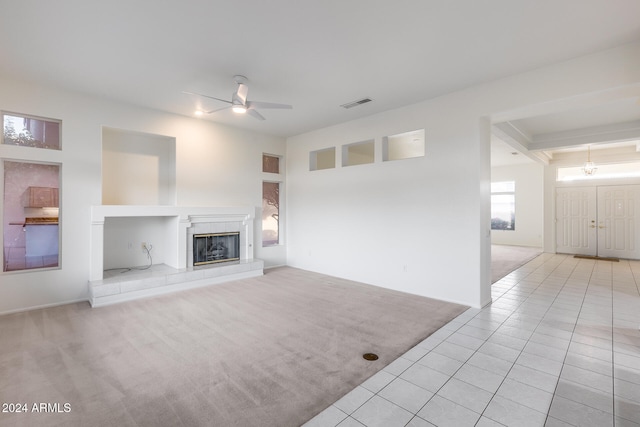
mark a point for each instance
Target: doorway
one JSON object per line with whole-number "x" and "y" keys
{"x": 599, "y": 221}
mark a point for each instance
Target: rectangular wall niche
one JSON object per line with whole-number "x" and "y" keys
{"x": 405, "y": 145}
{"x": 215, "y": 247}
{"x": 322, "y": 159}
{"x": 358, "y": 153}
{"x": 138, "y": 168}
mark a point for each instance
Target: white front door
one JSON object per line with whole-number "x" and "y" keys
{"x": 618, "y": 221}
{"x": 576, "y": 231}
{"x": 599, "y": 221}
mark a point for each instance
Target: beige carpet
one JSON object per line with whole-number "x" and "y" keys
{"x": 268, "y": 351}
{"x": 505, "y": 259}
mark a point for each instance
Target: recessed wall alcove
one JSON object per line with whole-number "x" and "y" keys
{"x": 138, "y": 168}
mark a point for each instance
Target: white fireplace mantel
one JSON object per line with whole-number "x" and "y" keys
{"x": 179, "y": 223}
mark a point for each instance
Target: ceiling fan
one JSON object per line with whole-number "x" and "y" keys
{"x": 239, "y": 103}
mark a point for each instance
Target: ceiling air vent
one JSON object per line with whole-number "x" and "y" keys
{"x": 356, "y": 103}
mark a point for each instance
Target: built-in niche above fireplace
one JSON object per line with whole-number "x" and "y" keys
{"x": 214, "y": 248}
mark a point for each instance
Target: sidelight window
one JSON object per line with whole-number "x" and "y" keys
{"x": 270, "y": 213}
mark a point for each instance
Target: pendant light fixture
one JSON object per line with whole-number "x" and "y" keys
{"x": 589, "y": 167}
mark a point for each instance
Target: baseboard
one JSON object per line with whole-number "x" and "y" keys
{"x": 39, "y": 307}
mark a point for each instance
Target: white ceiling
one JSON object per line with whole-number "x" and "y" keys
{"x": 502, "y": 154}
{"x": 609, "y": 113}
{"x": 314, "y": 55}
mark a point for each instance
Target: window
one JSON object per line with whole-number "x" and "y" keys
{"x": 30, "y": 215}
{"x": 503, "y": 205}
{"x": 322, "y": 159}
{"x": 270, "y": 213}
{"x": 358, "y": 153}
{"x": 609, "y": 171}
{"x": 270, "y": 164}
{"x": 28, "y": 131}
{"x": 405, "y": 145}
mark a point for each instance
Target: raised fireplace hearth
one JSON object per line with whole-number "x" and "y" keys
{"x": 213, "y": 248}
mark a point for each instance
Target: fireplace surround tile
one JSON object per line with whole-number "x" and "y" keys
{"x": 105, "y": 289}
{"x": 137, "y": 285}
{"x": 185, "y": 277}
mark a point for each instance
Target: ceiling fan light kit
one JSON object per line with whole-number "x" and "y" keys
{"x": 239, "y": 103}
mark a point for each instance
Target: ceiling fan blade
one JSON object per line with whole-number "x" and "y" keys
{"x": 242, "y": 92}
{"x": 255, "y": 114}
{"x": 216, "y": 110}
{"x": 206, "y": 96}
{"x": 259, "y": 104}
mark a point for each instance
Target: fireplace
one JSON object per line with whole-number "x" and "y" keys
{"x": 213, "y": 248}
{"x": 172, "y": 235}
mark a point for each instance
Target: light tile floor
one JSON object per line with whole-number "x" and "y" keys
{"x": 559, "y": 346}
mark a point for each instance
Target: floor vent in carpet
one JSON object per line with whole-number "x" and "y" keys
{"x": 370, "y": 356}
{"x": 597, "y": 257}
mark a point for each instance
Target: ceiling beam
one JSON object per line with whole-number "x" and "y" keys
{"x": 512, "y": 135}
{"x": 515, "y": 138}
{"x": 560, "y": 106}
{"x": 618, "y": 132}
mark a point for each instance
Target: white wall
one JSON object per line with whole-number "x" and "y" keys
{"x": 390, "y": 223}
{"x": 529, "y": 181}
{"x": 215, "y": 166}
{"x": 422, "y": 225}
